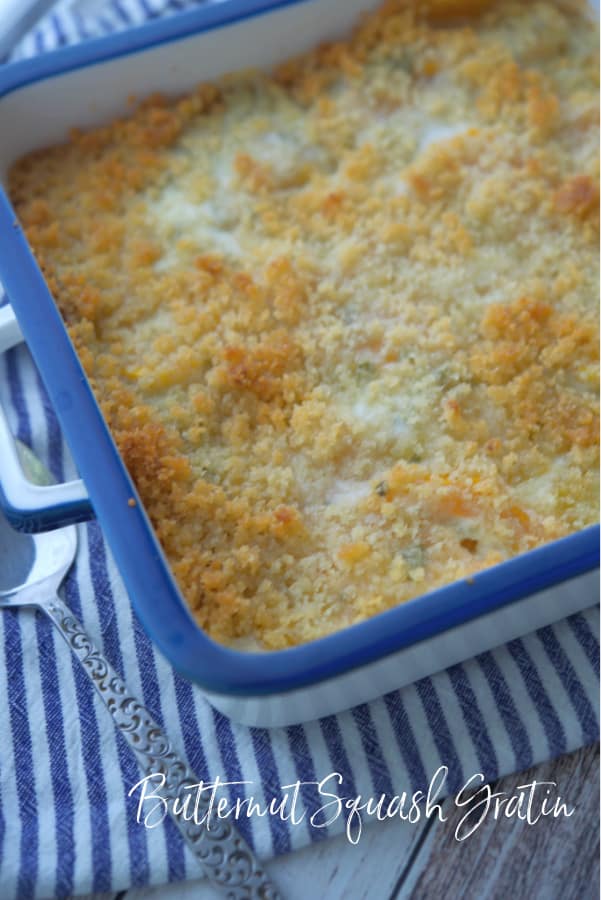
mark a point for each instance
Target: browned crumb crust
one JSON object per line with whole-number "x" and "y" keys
{"x": 342, "y": 320}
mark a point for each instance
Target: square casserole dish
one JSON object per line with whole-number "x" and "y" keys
{"x": 91, "y": 83}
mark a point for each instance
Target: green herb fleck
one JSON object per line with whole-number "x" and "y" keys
{"x": 365, "y": 371}
{"x": 415, "y": 557}
{"x": 382, "y": 488}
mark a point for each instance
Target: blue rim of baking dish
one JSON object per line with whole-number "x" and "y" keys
{"x": 152, "y": 589}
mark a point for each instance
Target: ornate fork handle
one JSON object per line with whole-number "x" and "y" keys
{"x": 224, "y": 855}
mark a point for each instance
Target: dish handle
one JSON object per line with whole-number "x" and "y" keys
{"x": 27, "y": 506}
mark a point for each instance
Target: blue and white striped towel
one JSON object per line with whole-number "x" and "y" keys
{"x": 67, "y": 825}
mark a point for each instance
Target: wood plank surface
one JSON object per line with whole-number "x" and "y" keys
{"x": 509, "y": 858}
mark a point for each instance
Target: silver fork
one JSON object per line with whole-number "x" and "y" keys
{"x": 32, "y": 568}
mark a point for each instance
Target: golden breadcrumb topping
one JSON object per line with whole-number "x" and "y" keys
{"x": 342, "y": 318}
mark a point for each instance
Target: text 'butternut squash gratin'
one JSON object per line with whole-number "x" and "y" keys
{"x": 342, "y": 318}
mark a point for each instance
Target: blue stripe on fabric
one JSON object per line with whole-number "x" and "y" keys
{"x": 332, "y": 734}
{"x": 148, "y": 11}
{"x": 59, "y": 771}
{"x": 148, "y": 672}
{"x": 190, "y": 729}
{"x": 61, "y": 37}
{"x": 232, "y": 769}
{"x": 305, "y": 771}
{"x": 552, "y": 727}
{"x": 473, "y": 718}
{"x": 401, "y": 725}
{"x": 55, "y": 438}
{"x": 121, "y": 12}
{"x": 2, "y": 819}
{"x": 152, "y": 698}
{"x": 38, "y": 39}
{"x": 80, "y": 26}
{"x": 176, "y": 865}
{"x": 130, "y": 774}
{"x": 17, "y": 695}
{"x": 515, "y": 728}
{"x": 100, "y": 835}
{"x": 440, "y": 733}
{"x": 586, "y": 638}
{"x": 23, "y": 757}
{"x": 565, "y": 670}
{"x": 105, "y": 24}
{"x": 380, "y": 774}
{"x": 23, "y": 432}
{"x": 272, "y": 788}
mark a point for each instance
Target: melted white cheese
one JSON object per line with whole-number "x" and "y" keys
{"x": 347, "y": 493}
{"x": 542, "y": 492}
{"x": 208, "y": 224}
{"x": 437, "y": 132}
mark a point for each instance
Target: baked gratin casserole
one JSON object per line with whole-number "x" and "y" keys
{"x": 342, "y": 318}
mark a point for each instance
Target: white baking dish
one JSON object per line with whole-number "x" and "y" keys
{"x": 83, "y": 86}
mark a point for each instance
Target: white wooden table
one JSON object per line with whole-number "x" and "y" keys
{"x": 555, "y": 859}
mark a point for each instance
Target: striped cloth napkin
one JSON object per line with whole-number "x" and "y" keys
{"x": 67, "y": 825}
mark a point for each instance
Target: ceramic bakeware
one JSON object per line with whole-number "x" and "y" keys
{"x": 89, "y": 83}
